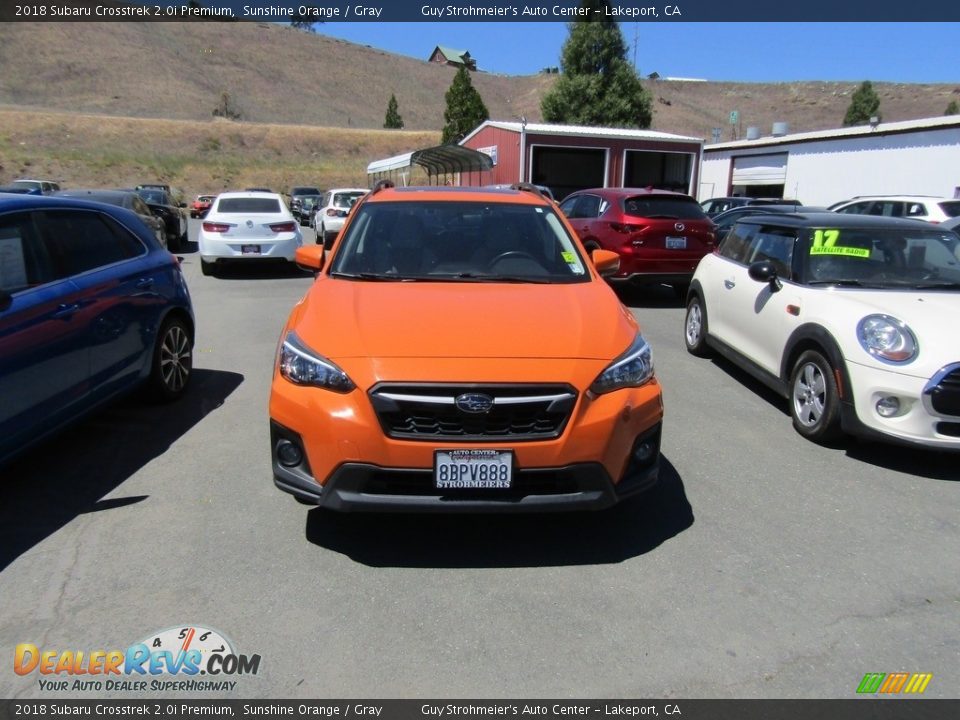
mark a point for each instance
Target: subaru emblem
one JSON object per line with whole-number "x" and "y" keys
{"x": 475, "y": 403}
{"x": 679, "y": 227}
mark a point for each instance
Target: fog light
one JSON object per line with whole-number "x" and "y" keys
{"x": 289, "y": 454}
{"x": 888, "y": 406}
{"x": 644, "y": 451}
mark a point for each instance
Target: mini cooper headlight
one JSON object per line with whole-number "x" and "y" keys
{"x": 302, "y": 366}
{"x": 887, "y": 339}
{"x": 632, "y": 369}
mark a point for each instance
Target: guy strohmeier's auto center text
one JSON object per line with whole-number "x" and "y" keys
{"x": 546, "y": 11}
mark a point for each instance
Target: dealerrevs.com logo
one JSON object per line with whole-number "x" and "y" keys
{"x": 186, "y": 652}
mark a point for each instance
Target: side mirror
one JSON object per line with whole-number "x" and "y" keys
{"x": 766, "y": 272}
{"x": 310, "y": 258}
{"x": 606, "y": 262}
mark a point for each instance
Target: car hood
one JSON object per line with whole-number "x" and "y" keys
{"x": 930, "y": 315}
{"x": 343, "y": 318}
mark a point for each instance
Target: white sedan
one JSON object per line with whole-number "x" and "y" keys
{"x": 248, "y": 226}
{"x": 851, "y": 318}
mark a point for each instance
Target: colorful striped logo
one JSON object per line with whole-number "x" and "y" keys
{"x": 893, "y": 683}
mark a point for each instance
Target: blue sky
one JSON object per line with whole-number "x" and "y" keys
{"x": 744, "y": 52}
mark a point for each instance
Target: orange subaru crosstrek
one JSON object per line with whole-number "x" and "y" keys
{"x": 460, "y": 352}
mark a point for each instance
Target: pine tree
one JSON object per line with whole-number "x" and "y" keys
{"x": 393, "y": 120}
{"x": 465, "y": 108}
{"x": 597, "y": 85}
{"x": 864, "y": 105}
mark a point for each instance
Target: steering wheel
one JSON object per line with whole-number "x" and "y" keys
{"x": 512, "y": 254}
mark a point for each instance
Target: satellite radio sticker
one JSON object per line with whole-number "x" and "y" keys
{"x": 187, "y": 658}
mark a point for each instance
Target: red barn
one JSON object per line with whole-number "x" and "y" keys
{"x": 566, "y": 158}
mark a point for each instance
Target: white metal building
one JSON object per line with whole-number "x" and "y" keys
{"x": 913, "y": 157}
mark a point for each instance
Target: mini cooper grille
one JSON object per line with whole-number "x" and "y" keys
{"x": 431, "y": 412}
{"x": 945, "y": 395}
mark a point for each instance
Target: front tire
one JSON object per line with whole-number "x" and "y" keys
{"x": 695, "y": 328}
{"x": 814, "y": 398}
{"x": 172, "y": 361}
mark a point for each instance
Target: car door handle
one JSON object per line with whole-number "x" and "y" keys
{"x": 144, "y": 283}
{"x": 729, "y": 284}
{"x": 65, "y": 311}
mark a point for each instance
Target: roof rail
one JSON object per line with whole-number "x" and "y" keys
{"x": 527, "y": 187}
{"x": 382, "y": 185}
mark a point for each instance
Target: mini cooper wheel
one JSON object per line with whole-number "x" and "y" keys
{"x": 172, "y": 361}
{"x": 814, "y": 398}
{"x": 695, "y": 328}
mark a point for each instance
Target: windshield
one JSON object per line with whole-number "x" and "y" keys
{"x": 345, "y": 200}
{"x": 247, "y": 205}
{"x": 458, "y": 241}
{"x": 157, "y": 197}
{"x": 663, "y": 206}
{"x": 883, "y": 258}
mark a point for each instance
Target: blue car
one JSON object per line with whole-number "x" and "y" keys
{"x": 91, "y": 307}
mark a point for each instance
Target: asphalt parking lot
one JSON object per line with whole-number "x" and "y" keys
{"x": 763, "y": 566}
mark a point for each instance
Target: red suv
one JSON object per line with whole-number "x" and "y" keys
{"x": 659, "y": 235}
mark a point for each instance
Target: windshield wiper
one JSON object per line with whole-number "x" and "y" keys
{"x": 378, "y": 277}
{"x": 945, "y": 285}
{"x": 846, "y": 282}
{"x": 486, "y": 278}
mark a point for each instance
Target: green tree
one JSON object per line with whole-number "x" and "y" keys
{"x": 597, "y": 84}
{"x": 864, "y": 104}
{"x": 952, "y": 108}
{"x": 393, "y": 120}
{"x": 305, "y": 18}
{"x": 465, "y": 108}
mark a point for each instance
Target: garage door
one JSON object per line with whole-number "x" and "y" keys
{"x": 760, "y": 170}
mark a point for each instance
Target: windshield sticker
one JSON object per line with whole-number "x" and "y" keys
{"x": 569, "y": 257}
{"x": 825, "y": 243}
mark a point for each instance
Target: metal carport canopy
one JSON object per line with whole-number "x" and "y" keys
{"x": 451, "y": 159}
{"x": 436, "y": 160}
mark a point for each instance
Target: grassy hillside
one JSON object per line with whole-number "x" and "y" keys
{"x": 84, "y": 150}
{"x": 119, "y": 103}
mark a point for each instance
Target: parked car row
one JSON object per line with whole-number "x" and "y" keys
{"x": 481, "y": 362}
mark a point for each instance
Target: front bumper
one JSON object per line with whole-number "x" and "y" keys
{"x": 357, "y": 486}
{"x": 916, "y": 423}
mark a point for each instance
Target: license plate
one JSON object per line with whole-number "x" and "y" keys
{"x": 472, "y": 469}
{"x": 676, "y": 243}
{"x": 250, "y": 249}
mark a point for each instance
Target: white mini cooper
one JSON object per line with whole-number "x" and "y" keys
{"x": 853, "y": 318}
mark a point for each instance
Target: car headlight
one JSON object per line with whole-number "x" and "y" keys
{"x": 632, "y": 369}
{"x": 302, "y": 366}
{"x": 887, "y": 339}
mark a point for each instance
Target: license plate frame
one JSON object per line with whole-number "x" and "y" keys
{"x": 676, "y": 243}
{"x": 251, "y": 249}
{"x": 473, "y": 469}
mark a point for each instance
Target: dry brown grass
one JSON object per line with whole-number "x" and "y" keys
{"x": 81, "y": 101}
{"x": 100, "y": 151}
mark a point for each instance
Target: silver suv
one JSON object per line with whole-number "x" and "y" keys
{"x": 916, "y": 207}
